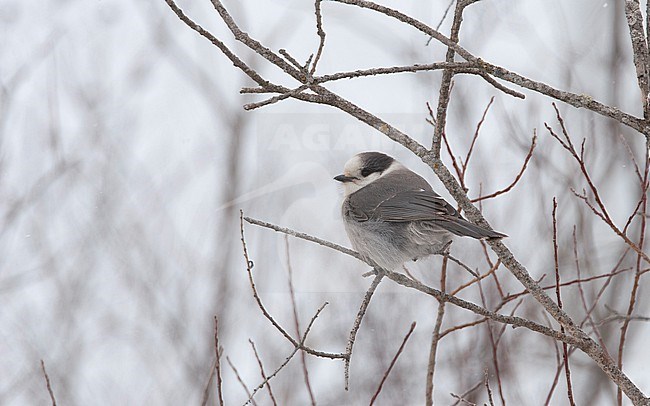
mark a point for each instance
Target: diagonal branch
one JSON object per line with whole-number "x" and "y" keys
{"x": 48, "y": 384}
{"x": 357, "y": 324}
{"x": 392, "y": 364}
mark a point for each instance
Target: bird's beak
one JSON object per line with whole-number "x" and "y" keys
{"x": 344, "y": 179}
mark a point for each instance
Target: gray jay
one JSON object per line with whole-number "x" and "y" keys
{"x": 392, "y": 215}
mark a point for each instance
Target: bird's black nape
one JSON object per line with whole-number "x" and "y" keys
{"x": 374, "y": 162}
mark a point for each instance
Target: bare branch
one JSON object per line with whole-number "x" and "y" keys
{"x": 468, "y": 156}
{"x": 641, "y": 242}
{"x": 529, "y": 155}
{"x": 303, "y": 236}
{"x": 217, "y": 351}
{"x": 565, "y": 355}
{"x": 478, "y": 278}
{"x": 460, "y": 66}
{"x": 357, "y": 324}
{"x": 266, "y": 380}
{"x": 291, "y": 59}
{"x": 579, "y": 158}
{"x": 392, "y": 363}
{"x": 275, "y": 99}
{"x": 487, "y": 386}
{"x": 241, "y": 382}
{"x": 286, "y": 361}
{"x": 494, "y": 343}
{"x": 296, "y": 321}
{"x": 435, "y": 338}
{"x": 48, "y": 384}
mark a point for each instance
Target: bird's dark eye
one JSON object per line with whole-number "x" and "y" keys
{"x": 375, "y": 162}
{"x": 366, "y": 171}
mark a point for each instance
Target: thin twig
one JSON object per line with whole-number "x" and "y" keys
{"x": 478, "y": 278}
{"x": 392, "y": 70}
{"x": 494, "y": 343}
{"x": 303, "y": 236}
{"x": 208, "y": 384}
{"x": 461, "y": 264}
{"x": 462, "y": 327}
{"x": 558, "y": 370}
{"x": 275, "y": 99}
{"x": 217, "y": 351}
{"x": 601, "y": 212}
{"x": 461, "y": 398}
{"x": 622, "y": 318}
{"x": 565, "y": 355}
{"x": 475, "y": 137}
{"x": 294, "y": 307}
{"x": 357, "y": 323}
{"x": 529, "y": 155}
{"x": 583, "y": 299}
{"x": 454, "y": 162}
{"x": 642, "y": 231}
{"x": 240, "y": 380}
{"x": 435, "y": 337}
{"x": 487, "y": 386}
{"x": 444, "y": 16}
{"x": 290, "y": 58}
{"x": 392, "y": 364}
{"x": 608, "y": 275}
{"x": 48, "y": 384}
{"x": 255, "y": 45}
{"x": 290, "y": 356}
{"x": 259, "y": 363}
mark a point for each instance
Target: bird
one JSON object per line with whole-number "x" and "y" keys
{"x": 392, "y": 215}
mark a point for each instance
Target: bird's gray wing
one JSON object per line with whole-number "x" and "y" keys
{"x": 427, "y": 207}
{"x": 413, "y": 205}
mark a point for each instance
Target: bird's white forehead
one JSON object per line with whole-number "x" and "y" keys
{"x": 353, "y": 165}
